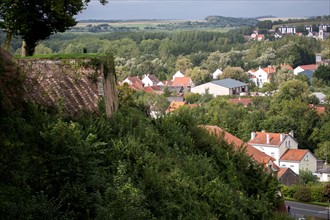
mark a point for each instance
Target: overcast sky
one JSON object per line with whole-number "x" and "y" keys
{"x": 198, "y": 9}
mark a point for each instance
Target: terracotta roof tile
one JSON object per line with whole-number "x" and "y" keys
{"x": 308, "y": 67}
{"x": 294, "y": 155}
{"x": 257, "y": 155}
{"x": 261, "y": 138}
{"x": 282, "y": 171}
{"x": 244, "y": 101}
{"x": 181, "y": 81}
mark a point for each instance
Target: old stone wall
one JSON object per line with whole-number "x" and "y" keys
{"x": 71, "y": 85}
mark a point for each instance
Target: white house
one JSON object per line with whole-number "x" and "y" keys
{"x": 284, "y": 148}
{"x": 221, "y": 87}
{"x": 130, "y": 80}
{"x": 217, "y": 73}
{"x": 177, "y": 74}
{"x": 150, "y": 80}
{"x": 262, "y": 75}
{"x": 302, "y": 68}
{"x": 273, "y": 144}
{"x": 323, "y": 174}
{"x": 298, "y": 159}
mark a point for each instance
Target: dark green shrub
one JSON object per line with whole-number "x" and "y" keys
{"x": 303, "y": 194}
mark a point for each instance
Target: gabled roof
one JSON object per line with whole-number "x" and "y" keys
{"x": 269, "y": 70}
{"x": 182, "y": 81}
{"x": 261, "y": 138}
{"x": 151, "y": 89}
{"x": 136, "y": 86}
{"x": 308, "y": 67}
{"x": 286, "y": 66}
{"x": 282, "y": 171}
{"x": 257, "y": 155}
{"x": 134, "y": 79}
{"x": 244, "y": 101}
{"x": 178, "y": 104}
{"x": 294, "y": 155}
{"x": 177, "y": 74}
{"x": 229, "y": 83}
{"x": 153, "y": 79}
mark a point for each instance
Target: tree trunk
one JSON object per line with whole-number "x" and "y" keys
{"x": 9, "y": 35}
{"x": 23, "y": 54}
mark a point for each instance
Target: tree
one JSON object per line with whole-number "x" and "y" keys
{"x": 198, "y": 76}
{"x": 323, "y": 73}
{"x": 36, "y": 20}
{"x": 236, "y": 73}
{"x": 183, "y": 63}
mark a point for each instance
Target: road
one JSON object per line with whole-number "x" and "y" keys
{"x": 304, "y": 210}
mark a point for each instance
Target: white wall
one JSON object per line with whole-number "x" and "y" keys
{"x": 270, "y": 151}
{"x": 214, "y": 89}
{"x": 293, "y": 165}
{"x": 308, "y": 162}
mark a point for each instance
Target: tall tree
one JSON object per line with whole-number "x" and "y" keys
{"x": 36, "y": 20}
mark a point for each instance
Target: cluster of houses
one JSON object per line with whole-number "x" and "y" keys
{"x": 278, "y": 152}
{"x": 322, "y": 33}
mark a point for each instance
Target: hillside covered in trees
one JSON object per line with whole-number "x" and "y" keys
{"x": 128, "y": 166}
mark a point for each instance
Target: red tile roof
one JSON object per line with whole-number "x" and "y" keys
{"x": 135, "y": 79}
{"x": 308, "y": 67}
{"x": 261, "y": 138}
{"x": 244, "y": 101}
{"x": 257, "y": 155}
{"x": 181, "y": 81}
{"x": 282, "y": 171}
{"x": 177, "y": 104}
{"x": 294, "y": 155}
{"x": 269, "y": 70}
{"x": 286, "y": 66}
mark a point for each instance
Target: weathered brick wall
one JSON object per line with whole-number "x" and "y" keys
{"x": 71, "y": 85}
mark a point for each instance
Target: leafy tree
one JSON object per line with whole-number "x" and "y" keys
{"x": 236, "y": 73}
{"x": 198, "y": 76}
{"x": 183, "y": 63}
{"x": 323, "y": 73}
{"x": 36, "y": 20}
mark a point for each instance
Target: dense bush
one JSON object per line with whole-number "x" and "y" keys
{"x": 303, "y": 194}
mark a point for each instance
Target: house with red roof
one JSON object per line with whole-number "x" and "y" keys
{"x": 130, "y": 80}
{"x": 262, "y": 75}
{"x": 284, "y": 148}
{"x": 298, "y": 159}
{"x": 287, "y": 177}
{"x": 243, "y": 101}
{"x": 273, "y": 144}
{"x": 260, "y": 157}
{"x": 299, "y": 69}
{"x": 174, "y": 105}
{"x": 185, "y": 82}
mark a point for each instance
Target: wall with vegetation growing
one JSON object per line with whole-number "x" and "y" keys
{"x": 70, "y": 85}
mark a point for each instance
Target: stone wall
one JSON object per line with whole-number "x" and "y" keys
{"x": 71, "y": 85}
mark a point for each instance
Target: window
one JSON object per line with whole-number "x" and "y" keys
{"x": 283, "y": 165}
{"x": 289, "y": 144}
{"x": 272, "y": 154}
{"x": 291, "y": 166}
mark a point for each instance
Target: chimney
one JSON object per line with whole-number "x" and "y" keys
{"x": 267, "y": 136}
{"x": 253, "y": 135}
{"x": 281, "y": 137}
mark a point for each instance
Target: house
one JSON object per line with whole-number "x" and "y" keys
{"x": 150, "y": 80}
{"x": 183, "y": 81}
{"x": 273, "y": 144}
{"x": 244, "y": 101}
{"x": 262, "y": 75}
{"x": 287, "y": 30}
{"x": 217, "y": 73}
{"x": 177, "y": 74}
{"x": 287, "y": 177}
{"x": 258, "y": 156}
{"x": 174, "y": 105}
{"x": 221, "y": 87}
{"x": 302, "y": 68}
{"x": 323, "y": 174}
{"x": 298, "y": 159}
{"x": 284, "y": 148}
{"x": 130, "y": 80}
{"x": 321, "y": 96}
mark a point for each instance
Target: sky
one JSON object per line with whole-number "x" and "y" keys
{"x": 199, "y": 9}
